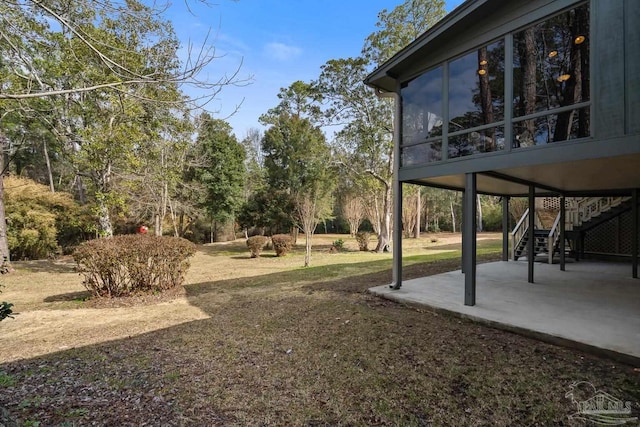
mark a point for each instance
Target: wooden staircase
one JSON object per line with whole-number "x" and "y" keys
{"x": 580, "y": 214}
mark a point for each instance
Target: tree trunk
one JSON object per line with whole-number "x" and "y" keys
{"x": 4, "y": 242}
{"x": 157, "y": 225}
{"x": 418, "y": 213}
{"x": 82, "y": 193}
{"x": 307, "y": 254}
{"x": 527, "y": 89}
{"x": 485, "y": 100}
{"x": 104, "y": 220}
{"x": 384, "y": 236}
{"x": 479, "y": 225}
{"x": 453, "y": 215}
{"x": 48, "y": 161}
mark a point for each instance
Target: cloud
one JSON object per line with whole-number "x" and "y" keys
{"x": 281, "y": 51}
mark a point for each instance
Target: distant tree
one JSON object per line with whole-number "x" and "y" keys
{"x": 81, "y": 70}
{"x": 366, "y": 145}
{"x": 353, "y": 211}
{"x": 295, "y": 157}
{"x": 222, "y": 172}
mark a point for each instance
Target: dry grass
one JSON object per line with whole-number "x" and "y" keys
{"x": 267, "y": 342}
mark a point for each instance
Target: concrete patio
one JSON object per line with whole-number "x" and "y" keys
{"x": 594, "y": 306}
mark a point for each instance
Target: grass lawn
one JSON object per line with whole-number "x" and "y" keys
{"x": 267, "y": 342}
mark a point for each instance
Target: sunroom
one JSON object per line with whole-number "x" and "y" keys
{"x": 535, "y": 98}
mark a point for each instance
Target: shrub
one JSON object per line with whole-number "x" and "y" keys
{"x": 124, "y": 265}
{"x": 363, "y": 237}
{"x": 256, "y": 244}
{"x": 39, "y": 221}
{"x": 338, "y": 244}
{"x": 282, "y": 244}
{"x": 5, "y": 310}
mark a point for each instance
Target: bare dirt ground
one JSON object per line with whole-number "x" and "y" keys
{"x": 266, "y": 342}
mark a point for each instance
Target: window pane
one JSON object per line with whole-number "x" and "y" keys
{"x": 476, "y": 88}
{"x": 421, "y": 154}
{"x": 476, "y": 142}
{"x": 552, "y": 128}
{"x": 551, "y": 63}
{"x": 422, "y": 107}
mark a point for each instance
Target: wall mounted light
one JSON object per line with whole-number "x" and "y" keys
{"x": 579, "y": 39}
{"x": 553, "y": 53}
{"x": 564, "y": 77}
{"x": 483, "y": 62}
{"x": 482, "y": 71}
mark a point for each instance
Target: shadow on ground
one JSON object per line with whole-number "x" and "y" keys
{"x": 62, "y": 265}
{"x": 324, "y": 352}
{"x": 70, "y": 296}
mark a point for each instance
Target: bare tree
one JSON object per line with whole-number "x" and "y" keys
{"x": 354, "y": 212}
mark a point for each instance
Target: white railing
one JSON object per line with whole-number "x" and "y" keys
{"x": 587, "y": 208}
{"x": 521, "y": 229}
{"x": 553, "y": 237}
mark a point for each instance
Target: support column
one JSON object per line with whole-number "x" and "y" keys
{"x": 634, "y": 234}
{"x": 462, "y": 231}
{"x": 469, "y": 239}
{"x": 531, "y": 232}
{"x": 397, "y": 234}
{"x": 397, "y": 190}
{"x": 563, "y": 214}
{"x": 505, "y": 228}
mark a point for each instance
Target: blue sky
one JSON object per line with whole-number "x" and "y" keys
{"x": 276, "y": 42}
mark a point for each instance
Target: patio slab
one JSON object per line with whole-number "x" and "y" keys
{"x": 594, "y": 306}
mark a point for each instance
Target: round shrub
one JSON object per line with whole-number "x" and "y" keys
{"x": 256, "y": 244}
{"x": 363, "y": 237}
{"x": 130, "y": 264}
{"x": 282, "y": 244}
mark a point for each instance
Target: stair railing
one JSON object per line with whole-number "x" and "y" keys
{"x": 553, "y": 237}
{"x": 590, "y": 207}
{"x": 518, "y": 233}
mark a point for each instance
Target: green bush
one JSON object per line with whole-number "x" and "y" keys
{"x": 282, "y": 244}
{"x": 256, "y": 244}
{"x": 40, "y": 223}
{"x": 5, "y": 310}
{"x": 363, "y": 237}
{"x": 338, "y": 244}
{"x": 125, "y": 265}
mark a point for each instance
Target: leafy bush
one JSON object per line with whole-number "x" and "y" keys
{"x": 5, "y": 307}
{"x": 129, "y": 264}
{"x": 338, "y": 244}
{"x": 282, "y": 244}
{"x": 5, "y": 310}
{"x": 256, "y": 244}
{"x": 363, "y": 237}
{"x": 41, "y": 223}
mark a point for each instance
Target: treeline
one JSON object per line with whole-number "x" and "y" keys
{"x": 99, "y": 137}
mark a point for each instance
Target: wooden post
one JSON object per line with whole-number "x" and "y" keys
{"x": 634, "y": 233}
{"x": 531, "y": 232}
{"x": 563, "y": 213}
{"x": 505, "y": 228}
{"x": 469, "y": 239}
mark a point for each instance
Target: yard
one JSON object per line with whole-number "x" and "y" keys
{"x": 267, "y": 342}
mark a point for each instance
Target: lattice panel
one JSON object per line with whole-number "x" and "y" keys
{"x": 553, "y": 203}
{"x": 603, "y": 238}
{"x": 626, "y": 224}
{"x": 611, "y": 237}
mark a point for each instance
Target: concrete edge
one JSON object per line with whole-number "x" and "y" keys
{"x": 626, "y": 359}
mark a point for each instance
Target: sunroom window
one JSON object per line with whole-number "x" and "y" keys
{"x": 551, "y": 80}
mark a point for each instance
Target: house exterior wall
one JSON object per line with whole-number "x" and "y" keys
{"x": 612, "y": 102}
